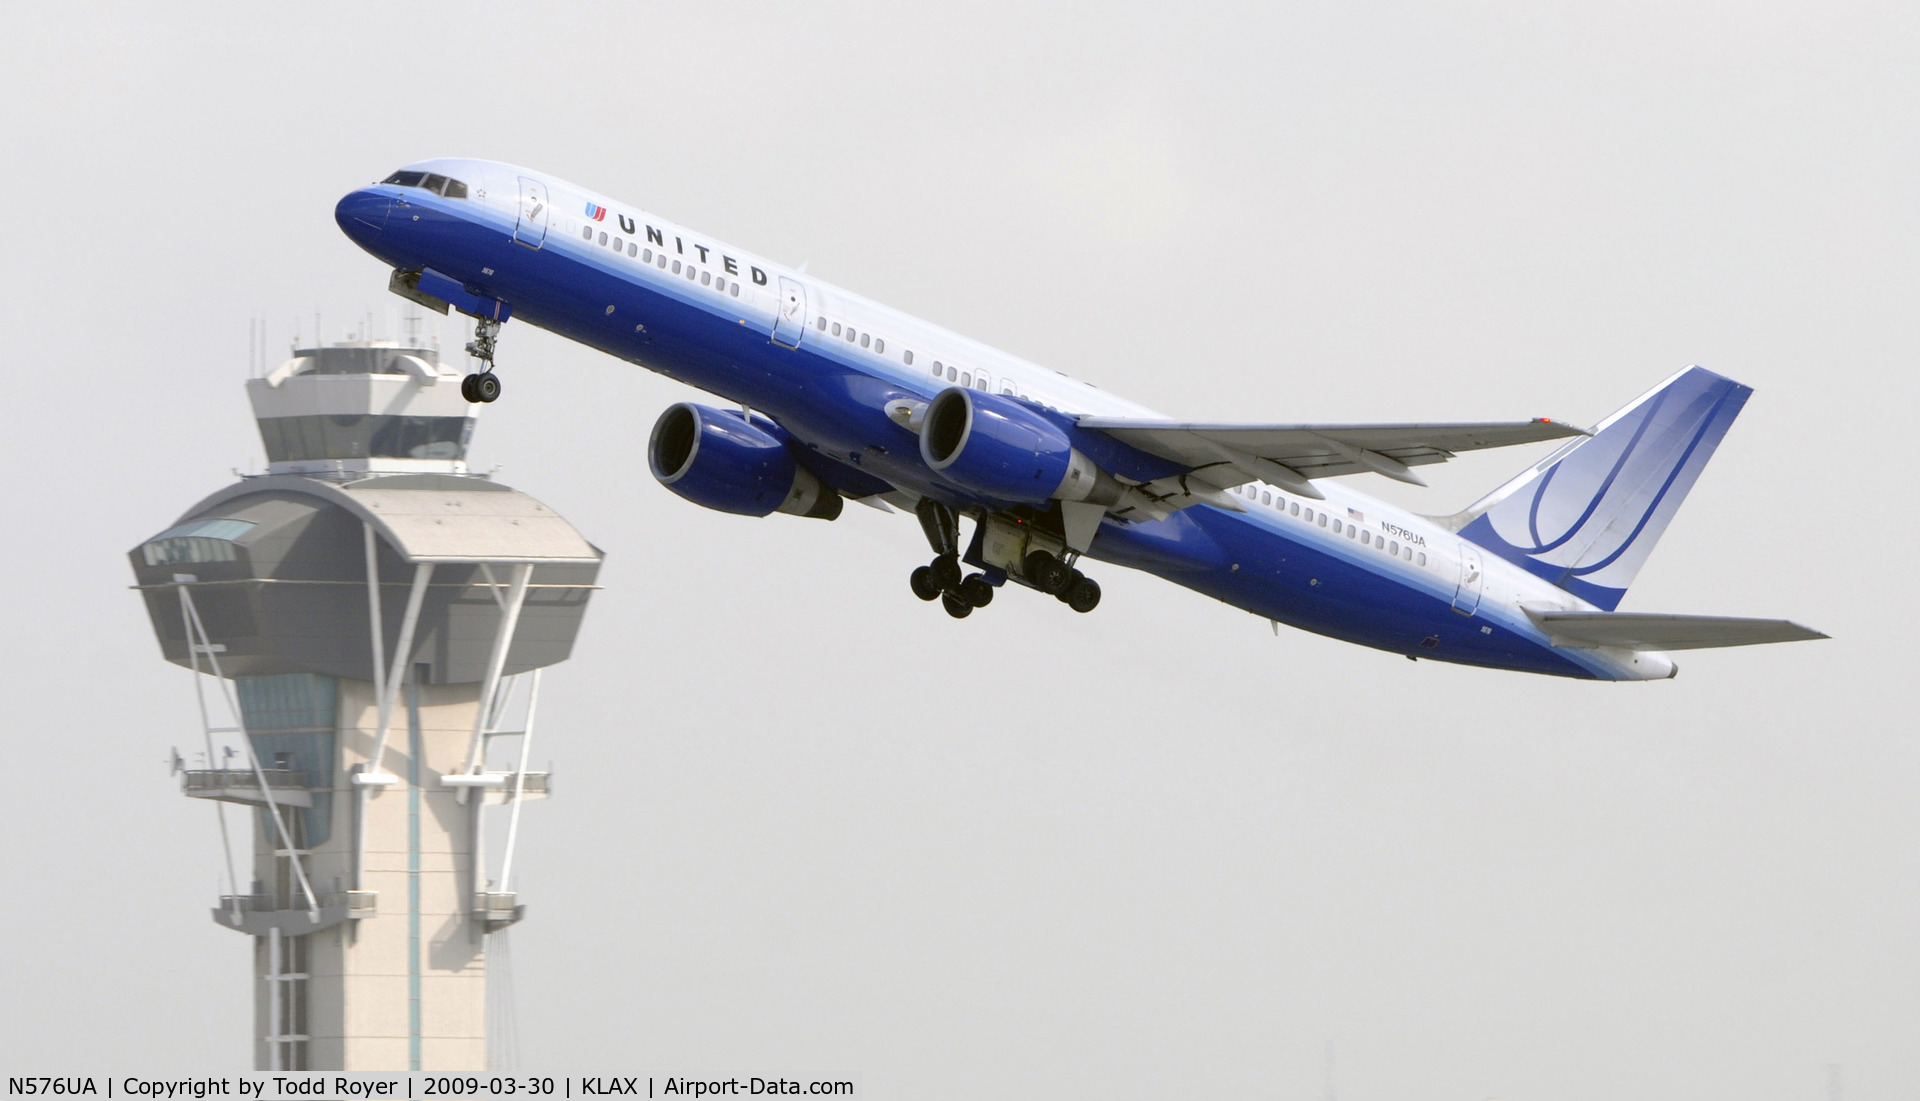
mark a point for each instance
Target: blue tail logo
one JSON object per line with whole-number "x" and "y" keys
{"x": 1587, "y": 516}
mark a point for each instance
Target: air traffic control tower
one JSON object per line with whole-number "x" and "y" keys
{"x": 371, "y": 618}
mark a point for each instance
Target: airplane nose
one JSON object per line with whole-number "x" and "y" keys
{"x": 363, "y": 214}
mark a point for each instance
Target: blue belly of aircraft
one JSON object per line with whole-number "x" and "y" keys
{"x": 838, "y": 411}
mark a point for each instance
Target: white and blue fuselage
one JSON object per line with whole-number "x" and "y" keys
{"x": 834, "y": 370}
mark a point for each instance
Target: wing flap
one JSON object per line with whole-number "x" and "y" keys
{"x": 1654, "y": 631}
{"x": 1325, "y": 450}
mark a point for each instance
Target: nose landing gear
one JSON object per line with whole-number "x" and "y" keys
{"x": 483, "y": 386}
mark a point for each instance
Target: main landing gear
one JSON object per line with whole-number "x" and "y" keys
{"x": 483, "y": 386}
{"x": 942, "y": 578}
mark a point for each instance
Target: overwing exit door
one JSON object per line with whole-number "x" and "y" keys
{"x": 791, "y": 321}
{"x": 530, "y": 229}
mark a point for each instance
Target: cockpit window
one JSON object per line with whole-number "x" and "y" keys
{"x": 431, "y": 181}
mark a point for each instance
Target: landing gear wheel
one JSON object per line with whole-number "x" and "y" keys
{"x": 481, "y": 388}
{"x": 924, "y": 586}
{"x": 946, "y": 571}
{"x": 1084, "y": 596}
{"x": 1047, "y": 573}
{"x": 466, "y": 389}
{"x": 1074, "y": 577}
{"x": 976, "y": 590}
{"x": 957, "y": 608}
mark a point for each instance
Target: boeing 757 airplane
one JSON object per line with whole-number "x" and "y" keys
{"x": 836, "y": 397}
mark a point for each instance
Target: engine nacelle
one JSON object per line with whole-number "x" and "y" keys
{"x": 722, "y": 460}
{"x": 1000, "y": 448}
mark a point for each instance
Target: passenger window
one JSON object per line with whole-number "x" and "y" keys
{"x": 1265, "y": 497}
{"x": 660, "y": 261}
{"x": 1322, "y": 519}
{"x": 850, "y": 334}
{"x": 676, "y": 267}
{"x": 455, "y": 190}
{"x": 980, "y": 383}
{"x": 1336, "y": 527}
{"x": 1366, "y": 539}
{"x": 734, "y": 290}
{"x": 880, "y": 346}
{"x": 706, "y": 278}
{"x": 587, "y": 232}
{"x": 966, "y": 378}
{"x": 907, "y": 357}
{"x": 1393, "y": 548}
{"x": 1295, "y": 508}
{"x": 646, "y": 256}
{"x": 864, "y": 339}
{"x": 953, "y": 373}
{"x": 822, "y": 323}
{"x": 1007, "y": 389}
{"x": 619, "y": 245}
{"x": 1423, "y": 558}
{"x": 836, "y": 328}
{"x": 1352, "y": 531}
{"x": 632, "y": 249}
{"x": 603, "y": 238}
{"x": 1406, "y": 552}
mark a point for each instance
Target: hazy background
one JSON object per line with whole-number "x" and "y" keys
{"x": 805, "y": 822}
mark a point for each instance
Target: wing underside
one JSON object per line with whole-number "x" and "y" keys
{"x": 1291, "y": 456}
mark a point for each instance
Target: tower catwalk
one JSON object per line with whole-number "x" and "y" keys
{"x": 371, "y": 618}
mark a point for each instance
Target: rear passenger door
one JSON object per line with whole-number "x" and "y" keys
{"x": 1466, "y": 598}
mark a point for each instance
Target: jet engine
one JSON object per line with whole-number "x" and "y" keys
{"x": 725, "y": 460}
{"x": 1003, "y": 449}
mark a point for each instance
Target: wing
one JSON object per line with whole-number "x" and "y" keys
{"x": 1647, "y": 631}
{"x": 1291, "y": 454}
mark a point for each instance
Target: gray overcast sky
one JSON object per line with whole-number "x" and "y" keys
{"x": 806, "y": 822}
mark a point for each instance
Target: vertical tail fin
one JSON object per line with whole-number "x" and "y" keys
{"x": 1587, "y": 516}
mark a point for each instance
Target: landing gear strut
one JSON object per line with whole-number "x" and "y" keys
{"x": 483, "y": 386}
{"x": 943, "y": 580}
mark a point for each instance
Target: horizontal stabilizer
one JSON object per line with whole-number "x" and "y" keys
{"x": 1648, "y": 631}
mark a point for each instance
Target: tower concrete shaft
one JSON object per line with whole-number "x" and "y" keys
{"x": 368, "y": 617}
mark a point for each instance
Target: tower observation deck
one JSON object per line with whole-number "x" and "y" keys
{"x": 370, "y": 618}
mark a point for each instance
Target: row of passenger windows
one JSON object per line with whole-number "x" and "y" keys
{"x": 1322, "y": 518}
{"x": 660, "y": 260}
{"x": 865, "y": 340}
{"x": 438, "y": 184}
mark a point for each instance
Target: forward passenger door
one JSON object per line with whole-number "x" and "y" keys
{"x": 530, "y": 229}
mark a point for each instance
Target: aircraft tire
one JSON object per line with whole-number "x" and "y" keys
{"x": 1084, "y": 596}
{"x": 486, "y": 387}
{"x": 946, "y": 571}
{"x": 1047, "y": 573}
{"x": 924, "y": 586}
{"x": 466, "y": 389}
{"x": 1064, "y": 593}
{"x": 957, "y": 608}
{"x": 976, "y": 590}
